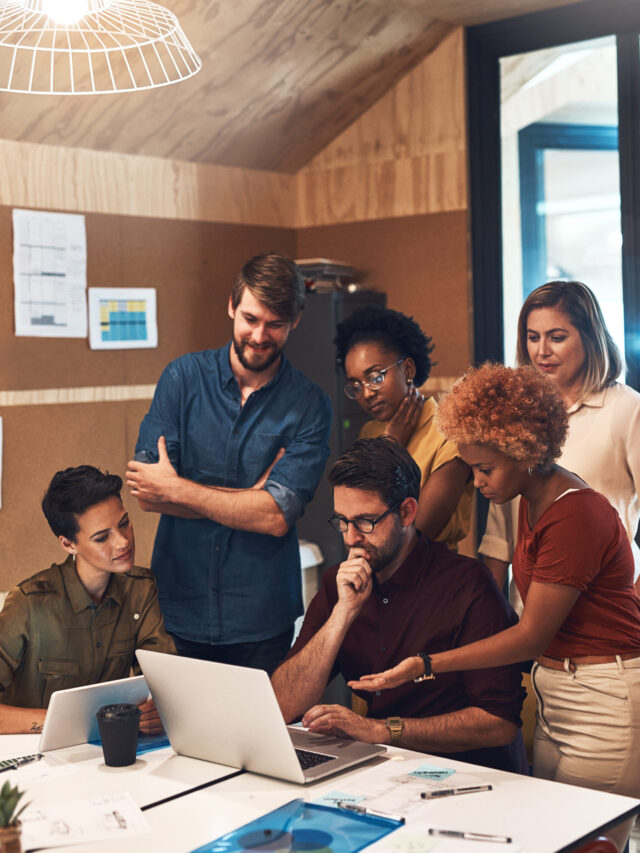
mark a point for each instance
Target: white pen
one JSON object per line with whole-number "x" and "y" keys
{"x": 354, "y": 807}
{"x": 470, "y": 836}
{"x": 452, "y": 792}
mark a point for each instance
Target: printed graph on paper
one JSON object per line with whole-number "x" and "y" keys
{"x": 123, "y": 318}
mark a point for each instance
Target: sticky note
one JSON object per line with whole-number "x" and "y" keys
{"x": 332, "y": 798}
{"x": 429, "y": 771}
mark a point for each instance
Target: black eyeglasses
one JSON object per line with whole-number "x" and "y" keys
{"x": 373, "y": 381}
{"x": 362, "y": 525}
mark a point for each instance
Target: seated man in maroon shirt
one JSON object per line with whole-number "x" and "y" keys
{"x": 396, "y": 594}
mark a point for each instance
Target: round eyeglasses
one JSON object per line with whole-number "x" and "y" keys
{"x": 362, "y": 525}
{"x": 373, "y": 381}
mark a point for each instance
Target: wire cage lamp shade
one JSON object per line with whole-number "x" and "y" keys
{"x": 90, "y": 47}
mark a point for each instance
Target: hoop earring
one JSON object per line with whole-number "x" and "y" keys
{"x": 529, "y": 471}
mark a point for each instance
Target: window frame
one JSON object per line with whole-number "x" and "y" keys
{"x": 533, "y": 141}
{"x": 485, "y": 46}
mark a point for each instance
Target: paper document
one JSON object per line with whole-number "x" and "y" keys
{"x": 395, "y": 787}
{"x": 50, "y": 274}
{"x": 122, "y": 318}
{"x": 99, "y": 819}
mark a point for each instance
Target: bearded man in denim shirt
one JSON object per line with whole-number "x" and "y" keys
{"x": 230, "y": 452}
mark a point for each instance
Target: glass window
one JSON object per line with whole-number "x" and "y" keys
{"x": 560, "y": 177}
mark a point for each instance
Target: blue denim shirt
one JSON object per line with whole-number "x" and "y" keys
{"x": 218, "y": 585}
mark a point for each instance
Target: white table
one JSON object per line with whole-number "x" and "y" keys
{"x": 542, "y": 817}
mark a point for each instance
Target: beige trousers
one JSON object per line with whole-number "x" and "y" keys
{"x": 588, "y": 726}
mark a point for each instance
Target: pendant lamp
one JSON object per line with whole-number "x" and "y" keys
{"x": 90, "y": 47}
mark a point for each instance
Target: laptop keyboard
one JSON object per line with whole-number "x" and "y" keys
{"x": 309, "y": 759}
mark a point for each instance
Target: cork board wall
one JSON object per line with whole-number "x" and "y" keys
{"x": 192, "y": 265}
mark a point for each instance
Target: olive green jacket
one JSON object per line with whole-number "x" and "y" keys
{"x": 53, "y": 635}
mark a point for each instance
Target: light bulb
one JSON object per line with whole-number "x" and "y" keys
{"x": 65, "y": 11}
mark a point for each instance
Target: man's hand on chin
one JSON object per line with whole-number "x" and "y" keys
{"x": 341, "y": 722}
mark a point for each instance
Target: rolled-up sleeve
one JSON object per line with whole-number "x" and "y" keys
{"x": 294, "y": 478}
{"x": 163, "y": 418}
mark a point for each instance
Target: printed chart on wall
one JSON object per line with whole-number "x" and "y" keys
{"x": 122, "y": 318}
{"x": 50, "y": 274}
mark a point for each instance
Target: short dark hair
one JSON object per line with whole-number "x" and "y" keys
{"x": 275, "y": 281}
{"x": 379, "y": 465}
{"x": 72, "y": 492}
{"x": 391, "y": 330}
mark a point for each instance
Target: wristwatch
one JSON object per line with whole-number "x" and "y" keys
{"x": 428, "y": 674}
{"x": 395, "y": 727}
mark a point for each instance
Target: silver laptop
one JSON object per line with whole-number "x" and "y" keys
{"x": 230, "y": 715}
{"x": 71, "y": 716}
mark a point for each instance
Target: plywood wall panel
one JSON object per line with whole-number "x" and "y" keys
{"x": 433, "y": 183}
{"x": 423, "y": 113}
{"x": 405, "y": 156}
{"x": 75, "y": 179}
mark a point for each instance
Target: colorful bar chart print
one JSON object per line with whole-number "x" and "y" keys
{"x": 122, "y": 318}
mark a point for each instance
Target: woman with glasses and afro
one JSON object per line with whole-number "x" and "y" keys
{"x": 386, "y": 359}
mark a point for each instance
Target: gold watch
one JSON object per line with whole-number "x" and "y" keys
{"x": 395, "y": 727}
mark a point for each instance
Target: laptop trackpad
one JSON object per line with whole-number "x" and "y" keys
{"x": 328, "y": 744}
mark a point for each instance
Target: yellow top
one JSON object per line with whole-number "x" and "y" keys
{"x": 431, "y": 450}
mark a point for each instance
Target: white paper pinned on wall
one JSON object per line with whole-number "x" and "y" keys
{"x": 49, "y": 274}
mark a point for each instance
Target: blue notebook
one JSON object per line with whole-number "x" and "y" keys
{"x": 304, "y": 827}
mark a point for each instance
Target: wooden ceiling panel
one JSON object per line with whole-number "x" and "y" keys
{"x": 280, "y": 80}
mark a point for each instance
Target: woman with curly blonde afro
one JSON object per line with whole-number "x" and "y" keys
{"x": 574, "y": 569}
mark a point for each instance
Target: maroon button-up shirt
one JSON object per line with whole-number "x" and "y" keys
{"x": 436, "y": 600}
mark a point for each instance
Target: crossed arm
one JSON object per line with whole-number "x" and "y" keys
{"x": 159, "y": 488}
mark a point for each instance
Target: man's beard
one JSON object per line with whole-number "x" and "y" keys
{"x": 379, "y": 557}
{"x": 253, "y": 359}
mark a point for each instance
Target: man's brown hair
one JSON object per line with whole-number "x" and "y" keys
{"x": 275, "y": 281}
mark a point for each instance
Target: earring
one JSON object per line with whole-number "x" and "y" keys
{"x": 529, "y": 471}
{"x": 409, "y": 381}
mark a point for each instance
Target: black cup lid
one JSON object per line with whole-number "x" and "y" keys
{"x": 118, "y": 711}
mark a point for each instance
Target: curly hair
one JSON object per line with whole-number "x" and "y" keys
{"x": 516, "y": 411}
{"x": 392, "y": 331}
